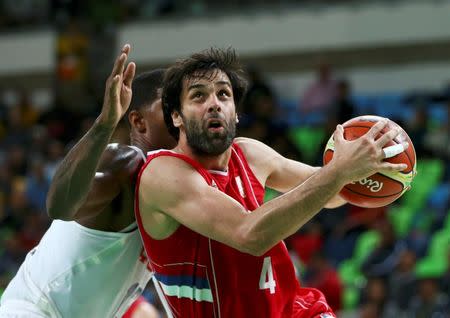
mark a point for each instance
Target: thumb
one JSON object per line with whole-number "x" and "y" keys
{"x": 339, "y": 134}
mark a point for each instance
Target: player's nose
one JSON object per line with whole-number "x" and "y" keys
{"x": 214, "y": 106}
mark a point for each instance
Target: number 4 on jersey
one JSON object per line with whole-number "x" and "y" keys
{"x": 266, "y": 280}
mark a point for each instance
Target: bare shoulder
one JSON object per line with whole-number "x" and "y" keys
{"x": 254, "y": 149}
{"x": 167, "y": 180}
{"x": 165, "y": 168}
{"x": 172, "y": 192}
{"x": 260, "y": 157}
{"x": 121, "y": 160}
{"x": 120, "y": 153}
{"x": 166, "y": 184}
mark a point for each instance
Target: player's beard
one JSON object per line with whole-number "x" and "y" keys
{"x": 204, "y": 142}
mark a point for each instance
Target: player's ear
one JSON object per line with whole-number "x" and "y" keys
{"x": 237, "y": 119}
{"x": 177, "y": 119}
{"x": 137, "y": 121}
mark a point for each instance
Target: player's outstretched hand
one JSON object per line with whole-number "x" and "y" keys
{"x": 362, "y": 157}
{"x": 118, "y": 89}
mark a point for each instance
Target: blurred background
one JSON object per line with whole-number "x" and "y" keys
{"x": 311, "y": 64}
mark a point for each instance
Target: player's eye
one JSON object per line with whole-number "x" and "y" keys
{"x": 224, "y": 93}
{"x": 197, "y": 95}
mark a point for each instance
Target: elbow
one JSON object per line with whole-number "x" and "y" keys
{"x": 335, "y": 202}
{"x": 252, "y": 243}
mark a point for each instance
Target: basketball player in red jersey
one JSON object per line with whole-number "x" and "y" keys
{"x": 215, "y": 248}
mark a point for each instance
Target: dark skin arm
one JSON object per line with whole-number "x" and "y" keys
{"x": 117, "y": 168}
{"x": 76, "y": 192}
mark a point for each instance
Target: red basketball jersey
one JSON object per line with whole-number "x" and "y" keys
{"x": 201, "y": 277}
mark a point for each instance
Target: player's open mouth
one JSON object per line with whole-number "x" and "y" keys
{"x": 215, "y": 125}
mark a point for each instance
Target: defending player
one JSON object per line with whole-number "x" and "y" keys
{"x": 90, "y": 262}
{"x": 216, "y": 250}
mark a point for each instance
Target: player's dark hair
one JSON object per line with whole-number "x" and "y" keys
{"x": 145, "y": 89}
{"x": 200, "y": 65}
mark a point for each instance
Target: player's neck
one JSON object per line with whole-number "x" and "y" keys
{"x": 140, "y": 143}
{"x": 219, "y": 162}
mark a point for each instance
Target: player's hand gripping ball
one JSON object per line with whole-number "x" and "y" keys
{"x": 379, "y": 189}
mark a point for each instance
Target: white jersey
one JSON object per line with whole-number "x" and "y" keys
{"x": 79, "y": 272}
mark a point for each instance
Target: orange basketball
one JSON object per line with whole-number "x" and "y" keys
{"x": 379, "y": 189}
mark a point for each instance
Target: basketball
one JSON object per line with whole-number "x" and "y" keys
{"x": 379, "y": 189}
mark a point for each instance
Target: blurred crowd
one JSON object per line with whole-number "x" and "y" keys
{"x": 27, "y": 14}
{"x": 368, "y": 262}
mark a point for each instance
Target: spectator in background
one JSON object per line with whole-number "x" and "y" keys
{"x": 417, "y": 129}
{"x": 28, "y": 113}
{"x": 346, "y": 229}
{"x": 258, "y": 116}
{"x": 370, "y": 310}
{"x": 60, "y": 123}
{"x": 18, "y": 206}
{"x": 307, "y": 241}
{"x": 282, "y": 143}
{"x": 55, "y": 153}
{"x": 429, "y": 301}
{"x": 418, "y": 236}
{"x": 72, "y": 64}
{"x": 259, "y": 104}
{"x": 321, "y": 275}
{"x": 259, "y": 92}
{"x": 383, "y": 260}
{"x": 16, "y": 160}
{"x": 437, "y": 141}
{"x": 343, "y": 104}
{"x": 37, "y": 185}
{"x": 375, "y": 300}
{"x": 374, "y": 293}
{"x": 39, "y": 140}
{"x": 319, "y": 96}
{"x": 16, "y": 132}
{"x": 402, "y": 282}
{"x": 71, "y": 47}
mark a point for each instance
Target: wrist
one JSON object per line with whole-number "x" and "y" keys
{"x": 105, "y": 123}
{"x": 105, "y": 126}
{"x": 337, "y": 173}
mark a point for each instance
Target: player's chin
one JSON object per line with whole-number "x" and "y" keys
{"x": 216, "y": 133}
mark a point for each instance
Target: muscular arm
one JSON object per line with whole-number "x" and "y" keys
{"x": 171, "y": 192}
{"x": 185, "y": 198}
{"x": 278, "y": 172}
{"x": 75, "y": 177}
{"x": 89, "y": 178}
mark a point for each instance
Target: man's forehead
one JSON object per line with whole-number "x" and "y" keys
{"x": 206, "y": 78}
